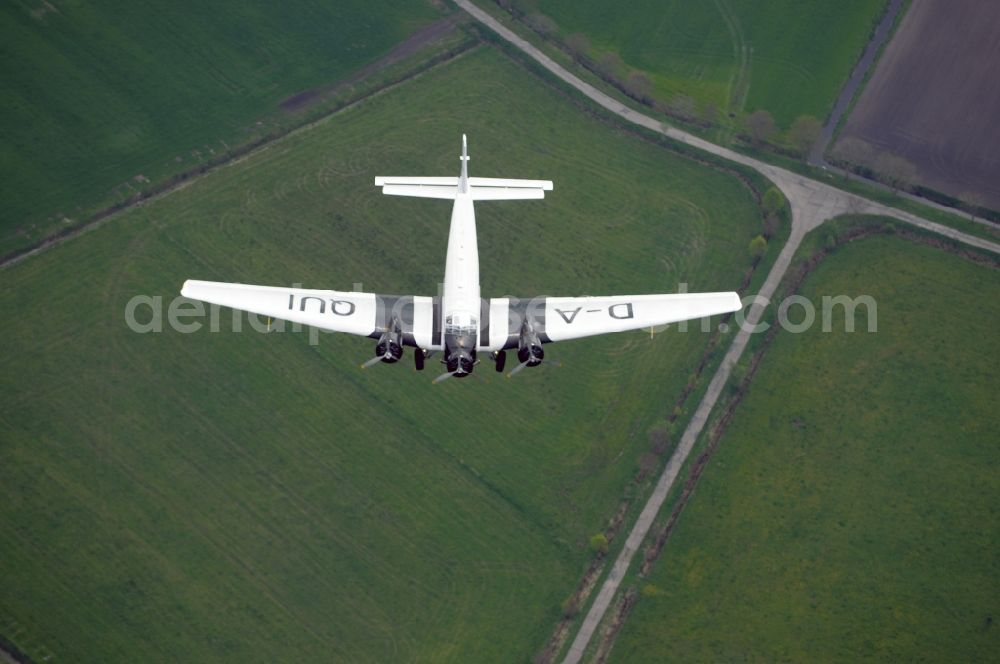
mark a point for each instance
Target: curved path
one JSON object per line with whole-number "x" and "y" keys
{"x": 812, "y": 203}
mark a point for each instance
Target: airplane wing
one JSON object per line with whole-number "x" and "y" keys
{"x": 562, "y": 318}
{"x": 364, "y": 314}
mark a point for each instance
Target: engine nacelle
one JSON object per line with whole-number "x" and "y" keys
{"x": 390, "y": 346}
{"x": 529, "y": 348}
{"x": 460, "y": 362}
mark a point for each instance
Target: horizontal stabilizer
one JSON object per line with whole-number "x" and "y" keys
{"x": 480, "y": 189}
{"x": 505, "y": 193}
{"x": 508, "y": 183}
{"x": 381, "y": 181}
{"x": 421, "y": 190}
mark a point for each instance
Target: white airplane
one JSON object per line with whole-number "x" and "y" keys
{"x": 459, "y": 323}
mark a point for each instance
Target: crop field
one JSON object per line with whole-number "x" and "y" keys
{"x": 254, "y": 497}
{"x": 788, "y": 57}
{"x": 97, "y": 99}
{"x": 931, "y": 99}
{"x": 849, "y": 512}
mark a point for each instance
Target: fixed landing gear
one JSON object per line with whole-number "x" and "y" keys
{"x": 500, "y": 357}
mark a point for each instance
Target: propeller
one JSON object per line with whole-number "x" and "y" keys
{"x": 458, "y": 374}
{"x": 389, "y": 348}
{"x": 546, "y": 363}
{"x": 443, "y": 377}
{"x": 512, "y": 372}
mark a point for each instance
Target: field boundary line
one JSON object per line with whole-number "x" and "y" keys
{"x": 104, "y": 216}
{"x": 855, "y": 82}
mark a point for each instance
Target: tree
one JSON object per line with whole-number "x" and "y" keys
{"x": 610, "y": 65}
{"x": 761, "y": 126}
{"x": 973, "y": 202}
{"x": 683, "y": 107}
{"x": 804, "y": 132}
{"x": 758, "y": 247}
{"x": 895, "y": 171}
{"x": 542, "y": 24}
{"x": 599, "y": 543}
{"x": 853, "y": 151}
{"x": 772, "y": 202}
{"x": 639, "y": 86}
{"x": 578, "y": 45}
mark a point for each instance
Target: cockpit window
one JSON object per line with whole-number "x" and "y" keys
{"x": 460, "y": 322}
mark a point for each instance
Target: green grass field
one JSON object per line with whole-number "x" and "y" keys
{"x": 849, "y": 513}
{"x": 251, "y": 497}
{"x": 787, "y": 57}
{"x": 96, "y": 96}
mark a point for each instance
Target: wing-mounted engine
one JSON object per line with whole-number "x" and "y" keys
{"x": 517, "y": 325}
{"x": 390, "y": 344}
{"x": 529, "y": 346}
{"x": 389, "y": 348}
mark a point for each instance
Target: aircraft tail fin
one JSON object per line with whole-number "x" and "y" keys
{"x": 463, "y": 179}
{"x": 478, "y": 189}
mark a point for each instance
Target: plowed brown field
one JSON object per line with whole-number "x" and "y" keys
{"x": 935, "y": 99}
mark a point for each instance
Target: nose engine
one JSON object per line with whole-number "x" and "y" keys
{"x": 460, "y": 333}
{"x": 460, "y": 362}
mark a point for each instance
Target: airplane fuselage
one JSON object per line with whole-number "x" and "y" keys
{"x": 460, "y": 297}
{"x": 461, "y": 302}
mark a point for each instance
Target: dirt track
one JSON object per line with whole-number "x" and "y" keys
{"x": 854, "y": 82}
{"x": 934, "y": 97}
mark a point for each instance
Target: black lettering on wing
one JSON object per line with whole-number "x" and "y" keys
{"x": 622, "y": 310}
{"x": 303, "y": 300}
{"x": 570, "y": 315}
{"x": 342, "y": 307}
